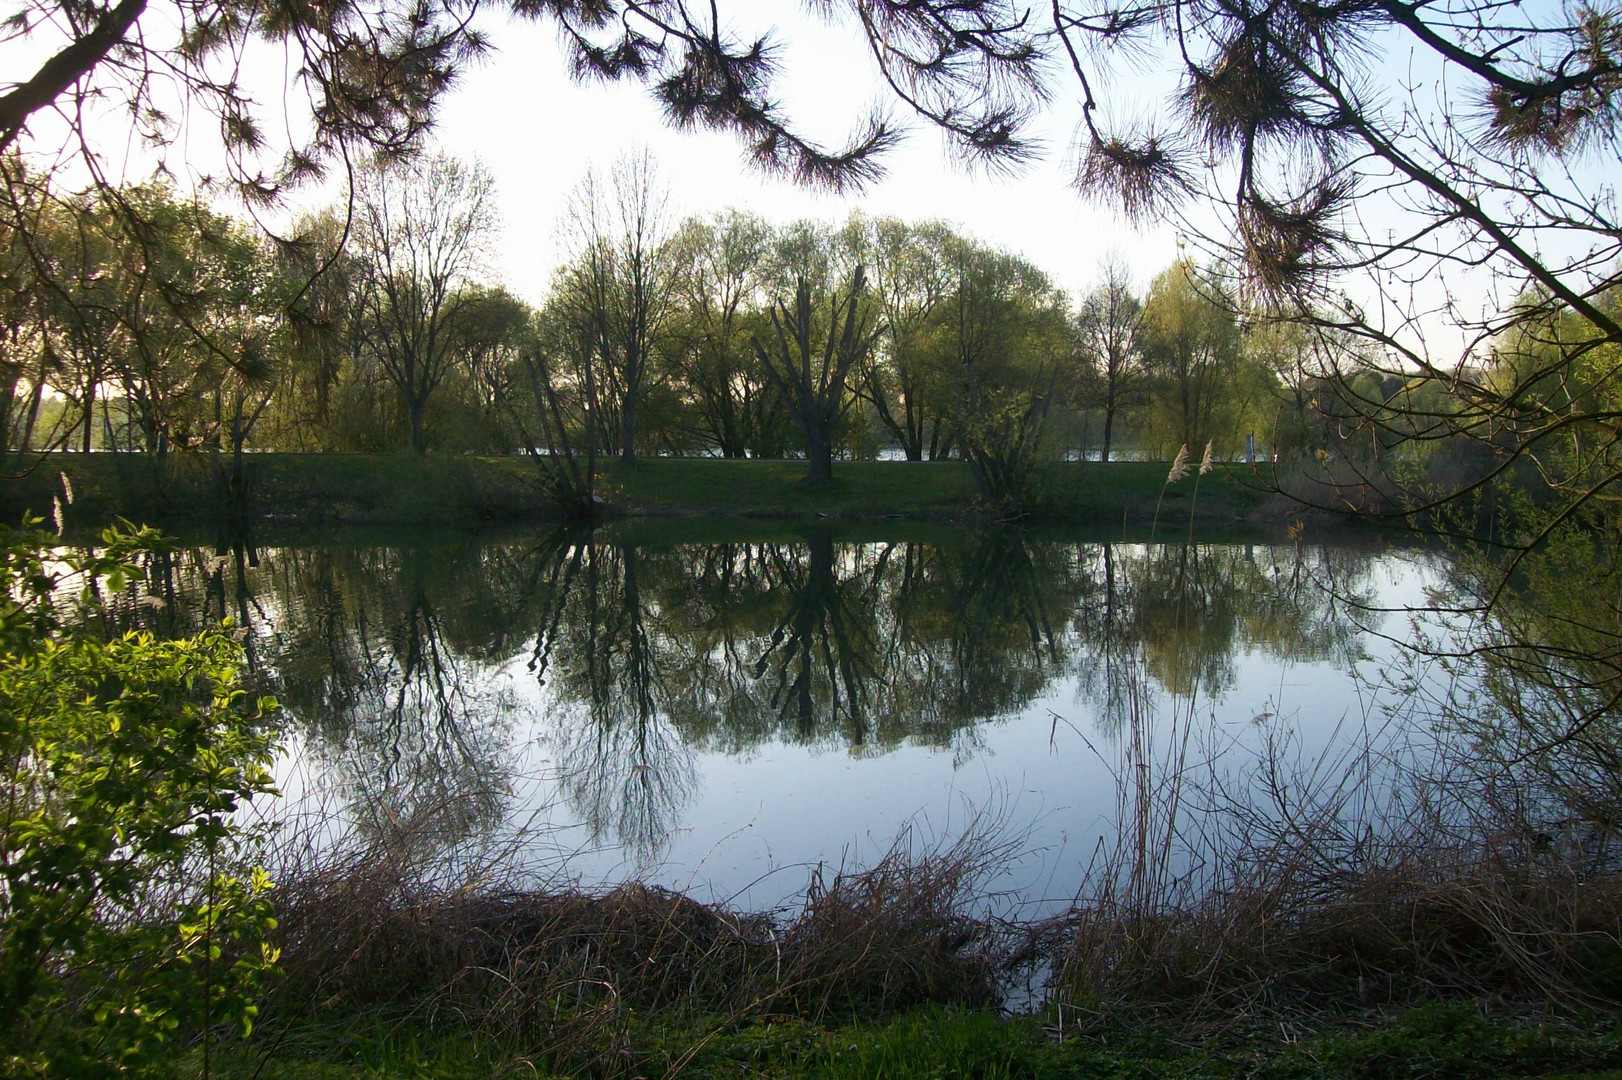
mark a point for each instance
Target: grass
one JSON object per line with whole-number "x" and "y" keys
{"x": 440, "y": 489}
{"x": 1437, "y": 1041}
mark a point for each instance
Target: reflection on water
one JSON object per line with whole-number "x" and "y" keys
{"x": 667, "y": 696}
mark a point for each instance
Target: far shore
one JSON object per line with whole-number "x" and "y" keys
{"x": 457, "y": 490}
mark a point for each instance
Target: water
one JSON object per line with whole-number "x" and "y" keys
{"x": 729, "y": 713}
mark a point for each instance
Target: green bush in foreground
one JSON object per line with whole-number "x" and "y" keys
{"x": 127, "y": 915}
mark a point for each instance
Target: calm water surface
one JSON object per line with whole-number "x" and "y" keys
{"x": 728, "y": 713}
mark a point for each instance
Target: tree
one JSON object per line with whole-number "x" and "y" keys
{"x": 167, "y": 311}
{"x": 1277, "y": 100}
{"x": 1191, "y": 345}
{"x": 1456, "y": 208}
{"x": 912, "y": 280}
{"x": 320, "y": 282}
{"x": 1109, "y": 327}
{"x": 623, "y": 280}
{"x": 423, "y": 233}
{"x": 556, "y": 406}
{"x": 76, "y": 250}
{"x": 497, "y": 328}
{"x": 1004, "y": 338}
{"x": 126, "y": 764}
{"x": 718, "y": 270}
{"x": 363, "y": 82}
{"x": 1295, "y": 358}
{"x": 1278, "y": 121}
{"x": 816, "y": 342}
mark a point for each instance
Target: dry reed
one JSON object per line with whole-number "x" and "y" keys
{"x": 1353, "y": 887}
{"x": 559, "y": 972}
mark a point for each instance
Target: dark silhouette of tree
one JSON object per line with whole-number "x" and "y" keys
{"x": 817, "y": 340}
{"x": 621, "y": 281}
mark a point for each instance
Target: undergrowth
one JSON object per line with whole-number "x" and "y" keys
{"x": 1436, "y": 1041}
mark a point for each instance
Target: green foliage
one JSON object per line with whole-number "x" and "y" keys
{"x": 1201, "y": 384}
{"x": 192, "y": 333}
{"x": 1437, "y": 1041}
{"x": 933, "y": 1045}
{"x": 128, "y": 916}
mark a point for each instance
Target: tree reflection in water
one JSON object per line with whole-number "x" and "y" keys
{"x": 393, "y": 661}
{"x": 627, "y": 771}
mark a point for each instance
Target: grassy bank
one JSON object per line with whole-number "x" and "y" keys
{"x": 1443, "y": 1041}
{"x": 448, "y": 490}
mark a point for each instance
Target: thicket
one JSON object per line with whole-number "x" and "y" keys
{"x": 132, "y": 920}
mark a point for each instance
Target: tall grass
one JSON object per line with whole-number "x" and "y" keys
{"x": 1302, "y": 893}
{"x": 382, "y": 926}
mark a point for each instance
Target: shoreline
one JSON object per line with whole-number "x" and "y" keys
{"x": 454, "y": 490}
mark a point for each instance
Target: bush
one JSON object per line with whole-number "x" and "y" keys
{"x": 128, "y": 918}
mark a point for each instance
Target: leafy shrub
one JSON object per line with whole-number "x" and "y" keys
{"x": 128, "y": 917}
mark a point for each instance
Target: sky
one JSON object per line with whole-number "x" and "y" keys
{"x": 518, "y": 112}
{"x": 538, "y": 132}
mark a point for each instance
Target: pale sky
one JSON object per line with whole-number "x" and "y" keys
{"x": 519, "y": 113}
{"x": 537, "y": 131}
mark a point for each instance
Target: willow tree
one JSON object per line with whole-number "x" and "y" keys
{"x": 912, "y": 282}
{"x": 1003, "y": 341}
{"x": 1191, "y": 350}
{"x": 719, "y": 269}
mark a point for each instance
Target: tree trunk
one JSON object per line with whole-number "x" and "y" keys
{"x": 628, "y": 427}
{"x": 418, "y": 445}
{"x": 819, "y": 453}
{"x": 31, "y": 418}
{"x": 1109, "y": 427}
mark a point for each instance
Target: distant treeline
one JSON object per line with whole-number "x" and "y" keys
{"x": 139, "y": 321}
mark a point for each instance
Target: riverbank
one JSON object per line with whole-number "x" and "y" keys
{"x": 1414, "y": 960}
{"x": 1456, "y": 1042}
{"x": 404, "y": 489}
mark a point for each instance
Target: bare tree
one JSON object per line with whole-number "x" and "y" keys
{"x": 618, "y": 239}
{"x": 424, "y": 233}
{"x": 1108, "y": 329}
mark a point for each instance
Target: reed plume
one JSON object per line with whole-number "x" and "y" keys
{"x": 1179, "y": 466}
{"x": 1205, "y": 467}
{"x": 1179, "y": 469}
